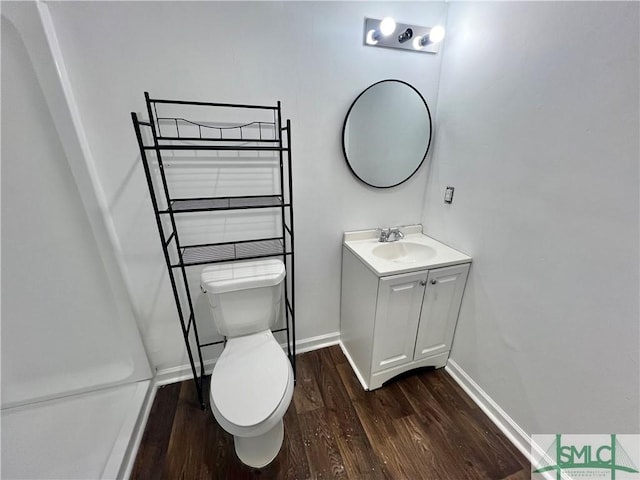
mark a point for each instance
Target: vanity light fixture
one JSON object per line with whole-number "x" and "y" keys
{"x": 381, "y": 33}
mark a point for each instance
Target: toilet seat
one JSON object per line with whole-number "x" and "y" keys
{"x": 250, "y": 380}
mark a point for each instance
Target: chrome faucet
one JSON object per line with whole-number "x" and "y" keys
{"x": 390, "y": 234}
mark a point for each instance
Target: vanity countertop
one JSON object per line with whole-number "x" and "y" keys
{"x": 414, "y": 252}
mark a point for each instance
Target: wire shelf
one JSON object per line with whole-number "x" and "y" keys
{"x": 224, "y": 252}
{"x": 184, "y": 205}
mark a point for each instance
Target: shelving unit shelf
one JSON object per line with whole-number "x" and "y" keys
{"x": 163, "y": 136}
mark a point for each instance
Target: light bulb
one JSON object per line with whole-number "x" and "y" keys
{"x": 371, "y": 37}
{"x": 387, "y": 26}
{"x": 417, "y": 43}
{"x": 436, "y": 34}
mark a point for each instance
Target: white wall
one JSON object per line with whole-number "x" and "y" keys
{"x": 309, "y": 55}
{"x": 538, "y": 131}
{"x": 63, "y": 330}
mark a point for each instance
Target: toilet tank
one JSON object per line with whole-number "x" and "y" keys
{"x": 245, "y": 297}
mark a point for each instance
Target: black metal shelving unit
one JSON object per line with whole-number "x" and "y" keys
{"x": 166, "y": 135}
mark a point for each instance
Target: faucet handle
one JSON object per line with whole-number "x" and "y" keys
{"x": 395, "y": 233}
{"x": 384, "y": 234}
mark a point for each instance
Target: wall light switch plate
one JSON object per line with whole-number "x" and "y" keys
{"x": 448, "y": 195}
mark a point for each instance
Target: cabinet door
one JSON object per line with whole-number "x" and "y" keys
{"x": 397, "y": 316}
{"x": 440, "y": 309}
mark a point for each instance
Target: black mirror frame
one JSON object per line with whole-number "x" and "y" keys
{"x": 344, "y": 126}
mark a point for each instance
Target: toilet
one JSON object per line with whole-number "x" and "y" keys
{"x": 252, "y": 381}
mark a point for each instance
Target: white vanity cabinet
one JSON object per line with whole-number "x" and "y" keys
{"x": 393, "y": 323}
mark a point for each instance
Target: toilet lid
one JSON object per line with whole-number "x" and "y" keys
{"x": 250, "y": 378}
{"x": 231, "y": 277}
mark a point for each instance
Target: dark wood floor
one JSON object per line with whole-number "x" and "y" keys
{"x": 422, "y": 426}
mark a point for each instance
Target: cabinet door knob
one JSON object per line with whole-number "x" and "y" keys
{"x": 434, "y": 281}
{"x": 423, "y": 282}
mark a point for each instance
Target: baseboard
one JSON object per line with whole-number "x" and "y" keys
{"x": 316, "y": 343}
{"x": 504, "y": 422}
{"x": 180, "y": 373}
{"x": 353, "y": 366}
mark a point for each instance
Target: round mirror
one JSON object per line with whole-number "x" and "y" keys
{"x": 387, "y": 133}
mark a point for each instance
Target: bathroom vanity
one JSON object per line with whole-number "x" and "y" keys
{"x": 400, "y": 302}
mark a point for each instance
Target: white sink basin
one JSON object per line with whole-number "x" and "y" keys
{"x": 404, "y": 252}
{"x": 412, "y": 253}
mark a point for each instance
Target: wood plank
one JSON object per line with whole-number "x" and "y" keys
{"x": 322, "y": 452}
{"x": 306, "y": 395}
{"x": 435, "y": 420}
{"x": 155, "y": 440}
{"x": 429, "y": 457}
{"x": 291, "y": 462}
{"x": 351, "y": 383}
{"x": 424, "y": 405}
{"x": 524, "y": 474}
{"x": 187, "y": 459}
{"x": 445, "y": 390}
{"x": 483, "y": 446}
{"x": 381, "y": 435}
{"x": 391, "y": 400}
{"x": 352, "y": 441}
{"x": 477, "y": 418}
{"x": 478, "y": 438}
{"x": 336, "y": 354}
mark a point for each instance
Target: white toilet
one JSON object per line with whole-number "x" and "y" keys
{"x": 252, "y": 381}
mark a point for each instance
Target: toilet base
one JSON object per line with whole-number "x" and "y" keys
{"x": 260, "y": 451}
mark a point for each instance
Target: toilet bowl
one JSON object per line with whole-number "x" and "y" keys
{"x": 251, "y": 389}
{"x": 252, "y": 381}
